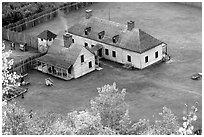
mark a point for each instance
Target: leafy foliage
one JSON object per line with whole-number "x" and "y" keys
{"x": 168, "y": 125}
{"x": 14, "y": 11}
{"x": 108, "y": 116}
{"x": 111, "y": 106}
{"x": 8, "y": 78}
{"x": 190, "y": 116}
{"x": 15, "y": 120}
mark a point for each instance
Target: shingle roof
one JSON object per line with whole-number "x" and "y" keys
{"x": 135, "y": 40}
{"x": 47, "y": 35}
{"x": 95, "y": 48}
{"x": 57, "y": 61}
{"x": 61, "y": 56}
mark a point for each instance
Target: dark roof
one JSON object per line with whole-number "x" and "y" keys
{"x": 47, "y": 35}
{"x": 95, "y": 48}
{"x": 60, "y": 56}
{"x": 134, "y": 40}
{"x": 57, "y": 61}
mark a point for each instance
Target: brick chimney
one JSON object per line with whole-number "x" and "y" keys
{"x": 88, "y": 13}
{"x": 130, "y": 25}
{"x": 67, "y": 40}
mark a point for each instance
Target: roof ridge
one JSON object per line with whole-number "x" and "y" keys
{"x": 113, "y": 22}
{"x": 134, "y": 40}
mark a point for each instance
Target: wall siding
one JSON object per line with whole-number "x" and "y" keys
{"x": 137, "y": 60}
{"x": 151, "y": 56}
{"x": 44, "y": 42}
{"x": 81, "y": 69}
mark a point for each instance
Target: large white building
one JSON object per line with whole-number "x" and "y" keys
{"x": 120, "y": 43}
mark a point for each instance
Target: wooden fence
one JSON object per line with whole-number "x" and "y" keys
{"x": 19, "y": 37}
{"x": 25, "y": 65}
{"x": 13, "y": 33}
{"x": 45, "y": 16}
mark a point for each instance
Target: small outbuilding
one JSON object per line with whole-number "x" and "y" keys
{"x": 45, "y": 40}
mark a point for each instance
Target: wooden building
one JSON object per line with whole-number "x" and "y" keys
{"x": 45, "y": 40}
{"x": 66, "y": 60}
{"x": 124, "y": 44}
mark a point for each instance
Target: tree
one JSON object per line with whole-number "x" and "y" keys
{"x": 168, "y": 125}
{"x": 111, "y": 106}
{"x": 87, "y": 123}
{"x": 190, "y": 116}
{"x": 8, "y": 78}
{"x": 15, "y": 120}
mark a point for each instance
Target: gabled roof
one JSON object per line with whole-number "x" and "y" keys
{"x": 95, "y": 48}
{"x": 60, "y": 56}
{"x": 46, "y": 34}
{"x": 135, "y": 40}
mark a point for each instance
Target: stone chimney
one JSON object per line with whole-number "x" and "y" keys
{"x": 88, "y": 13}
{"x": 67, "y": 40}
{"x": 130, "y": 25}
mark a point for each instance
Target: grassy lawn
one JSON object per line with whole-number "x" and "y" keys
{"x": 148, "y": 90}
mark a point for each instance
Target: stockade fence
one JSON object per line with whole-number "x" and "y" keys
{"x": 26, "y": 65}
{"x": 19, "y": 37}
{"x": 45, "y": 16}
{"x": 13, "y": 33}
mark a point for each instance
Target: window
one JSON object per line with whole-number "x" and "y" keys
{"x": 41, "y": 39}
{"x": 113, "y": 53}
{"x": 115, "y": 38}
{"x": 128, "y": 58}
{"x": 146, "y": 59}
{"x": 70, "y": 70}
{"x": 92, "y": 46}
{"x": 90, "y": 64}
{"x": 72, "y": 40}
{"x": 106, "y": 52}
{"x": 86, "y": 32}
{"x": 156, "y": 54}
{"x": 86, "y": 44}
{"x": 82, "y": 58}
{"x": 100, "y": 36}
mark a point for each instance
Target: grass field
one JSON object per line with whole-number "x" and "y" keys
{"x": 148, "y": 90}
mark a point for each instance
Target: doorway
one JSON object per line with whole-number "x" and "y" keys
{"x": 100, "y": 52}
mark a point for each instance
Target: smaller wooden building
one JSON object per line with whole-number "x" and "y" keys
{"x": 66, "y": 63}
{"x": 45, "y": 40}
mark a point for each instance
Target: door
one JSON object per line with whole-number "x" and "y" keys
{"x": 100, "y": 52}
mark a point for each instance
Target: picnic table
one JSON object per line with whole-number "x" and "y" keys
{"x": 48, "y": 82}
